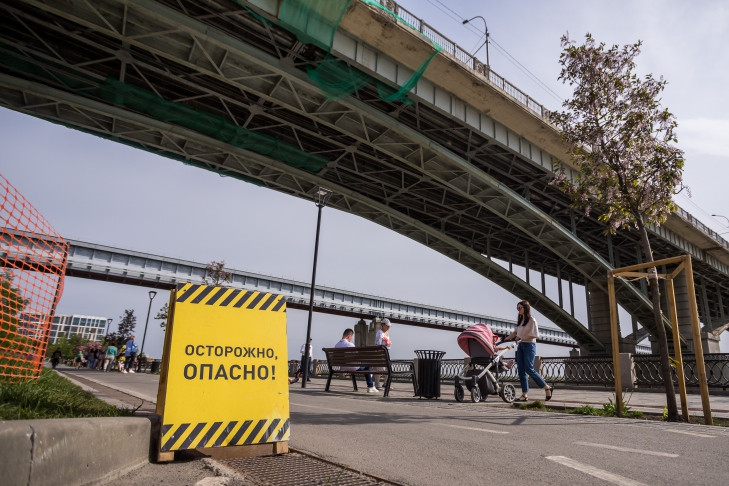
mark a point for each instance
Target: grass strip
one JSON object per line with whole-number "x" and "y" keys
{"x": 52, "y": 396}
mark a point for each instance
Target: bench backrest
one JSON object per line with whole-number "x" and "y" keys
{"x": 372, "y": 356}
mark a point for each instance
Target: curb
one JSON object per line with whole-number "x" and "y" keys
{"x": 87, "y": 451}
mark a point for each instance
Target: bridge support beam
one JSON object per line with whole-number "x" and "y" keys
{"x": 710, "y": 342}
{"x": 599, "y": 309}
{"x": 364, "y": 333}
{"x": 683, "y": 311}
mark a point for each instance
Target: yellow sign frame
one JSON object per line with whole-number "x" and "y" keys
{"x": 223, "y": 382}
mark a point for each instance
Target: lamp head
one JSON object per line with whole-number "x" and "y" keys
{"x": 152, "y": 294}
{"x": 321, "y": 196}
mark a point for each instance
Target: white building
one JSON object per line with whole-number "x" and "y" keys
{"x": 93, "y": 328}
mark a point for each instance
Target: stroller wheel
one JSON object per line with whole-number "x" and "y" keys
{"x": 507, "y": 392}
{"x": 458, "y": 393}
{"x": 475, "y": 394}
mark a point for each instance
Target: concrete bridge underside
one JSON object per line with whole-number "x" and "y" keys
{"x": 478, "y": 193}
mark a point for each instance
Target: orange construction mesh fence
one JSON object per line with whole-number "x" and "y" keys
{"x": 33, "y": 263}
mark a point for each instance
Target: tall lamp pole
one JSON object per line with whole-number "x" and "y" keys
{"x": 486, "y": 34}
{"x": 321, "y": 197}
{"x": 152, "y": 293}
{"x": 108, "y": 328}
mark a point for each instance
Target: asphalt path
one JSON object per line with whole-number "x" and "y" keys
{"x": 443, "y": 442}
{"x": 439, "y": 442}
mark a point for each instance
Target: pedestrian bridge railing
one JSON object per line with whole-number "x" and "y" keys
{"x": 583, "y": 370}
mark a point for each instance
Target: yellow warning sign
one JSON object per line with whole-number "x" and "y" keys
{"x": 224, "y": 380}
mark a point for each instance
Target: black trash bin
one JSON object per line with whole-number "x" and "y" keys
{"x": 155, "y": 366}
{"x": 429, "y": 373}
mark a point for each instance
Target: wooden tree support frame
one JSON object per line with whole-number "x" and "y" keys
{"x": 683, "y": 265}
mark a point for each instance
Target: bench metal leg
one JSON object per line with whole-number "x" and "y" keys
{"x": 329, "y": 380}
{"x": 354, "y": 381}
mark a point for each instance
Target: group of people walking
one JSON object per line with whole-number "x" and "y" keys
{"x": 110, "y": 358}
{"x": 525, "y": 334}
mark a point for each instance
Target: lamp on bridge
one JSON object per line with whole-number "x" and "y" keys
{"x": 152, "y": 294}
{"x": 727, "y": 221}
{"x": 486, "y": 42}
{"x": 321, "y": 197}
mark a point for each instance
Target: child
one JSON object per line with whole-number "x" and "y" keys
{"x": 503, "y": 365}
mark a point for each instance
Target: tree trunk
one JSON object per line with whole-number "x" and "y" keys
{"x": 660, "y": 328}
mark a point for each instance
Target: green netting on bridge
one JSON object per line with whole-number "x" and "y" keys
{"x": 145, "y": 101}
{"x": 215, "y": 126}
{"x": 315, "y": 22}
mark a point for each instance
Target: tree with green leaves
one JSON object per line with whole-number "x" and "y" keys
{"x": 127, "y": 323}
{"x": 215, "y": 274}
{"x": 69, "y": 346}
{"x": 163, "y": 314}
{"x": 622, "y": 143}
{"x": 115, "y": 339}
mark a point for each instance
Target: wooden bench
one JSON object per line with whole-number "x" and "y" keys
{"x": 377, "y": 358}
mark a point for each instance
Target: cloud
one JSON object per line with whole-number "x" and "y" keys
{"x": 705, "y": 136}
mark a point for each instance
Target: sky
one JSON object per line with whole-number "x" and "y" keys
{"x": 101, "y": 192}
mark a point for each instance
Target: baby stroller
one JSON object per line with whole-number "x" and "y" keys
{"x": 482, "y": 375}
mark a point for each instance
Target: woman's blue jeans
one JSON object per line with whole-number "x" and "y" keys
{"x": 525, "y": 354}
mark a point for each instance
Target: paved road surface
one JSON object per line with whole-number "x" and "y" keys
{"x": 436, "y": 442}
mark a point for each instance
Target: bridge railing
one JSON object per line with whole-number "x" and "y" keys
{"x": 588, "y": 370}
{"x": 648, "y": 370}
{"x": 467, "y": 59}
{"x": 701, "y": 226}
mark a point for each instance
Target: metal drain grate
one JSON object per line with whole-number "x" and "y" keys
{"x": 295, "y": 469}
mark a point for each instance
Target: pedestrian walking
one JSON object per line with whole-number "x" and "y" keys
{"x": 382, "y": 338}
{"x": 130, "y": 354}
{"x": 310, "y": 363}
{"x": 109, "y": 357}
{"x": 90, "y": 359}
{"x": 526, "y": 335}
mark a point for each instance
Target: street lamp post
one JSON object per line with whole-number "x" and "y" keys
{"x": 321, "y": 197}
{"x": 108, "y": 328}
{"x": 152, "y": 293}
{"x": 727, "y": 222}
{"x": 486, "y": 42}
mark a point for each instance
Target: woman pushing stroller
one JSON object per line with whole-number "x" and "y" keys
{"x": 526, "y": 334}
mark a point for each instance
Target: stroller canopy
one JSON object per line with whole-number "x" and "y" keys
{"x": 477, "y": 341}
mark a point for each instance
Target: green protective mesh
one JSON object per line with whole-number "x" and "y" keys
{"x": 208, "y": 124}
{"x": 313, "y": 21}
{"x": 386, "y": 92}
{"x": 337, "y": 79}
{"x": 145, "y": 101}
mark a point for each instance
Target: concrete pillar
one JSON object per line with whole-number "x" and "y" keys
{"x": 361, "y": 331}
{"x": 364, "y": 333}
{"x": 683, "y": 312}
{"x": 710, "y": 342}
{"x": 627, "y": 371}
{"x": 599, "y": 309}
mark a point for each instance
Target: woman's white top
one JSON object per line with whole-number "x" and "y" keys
{"x": 528, "y": 333}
